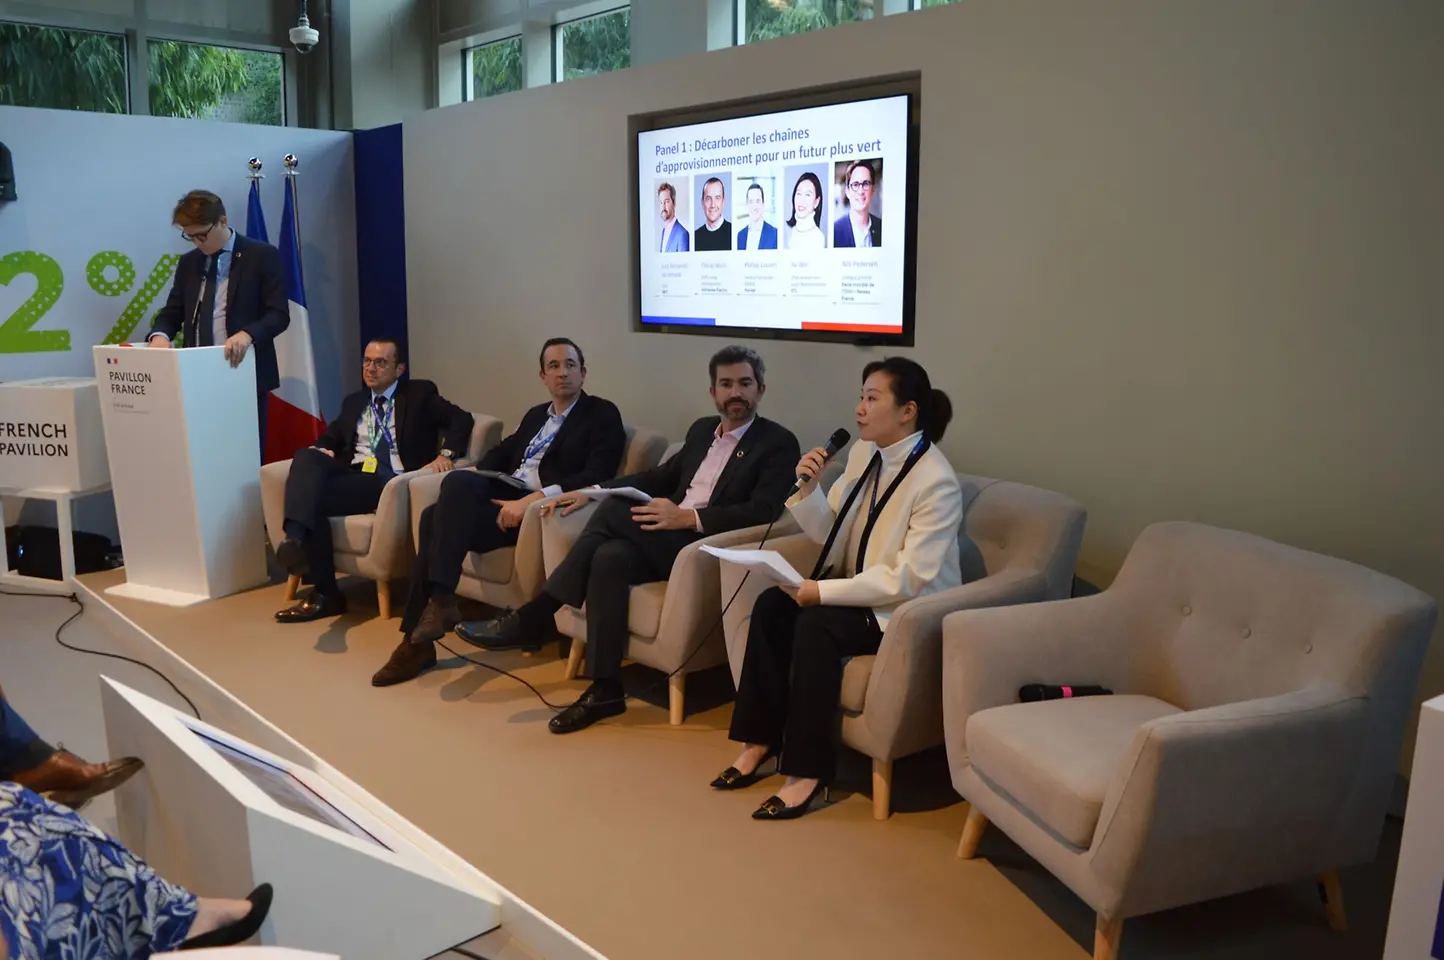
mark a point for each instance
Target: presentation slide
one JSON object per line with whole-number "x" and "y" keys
{"x": 785, "y": 221}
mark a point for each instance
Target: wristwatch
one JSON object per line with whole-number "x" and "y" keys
{"x": 449, "y": 454}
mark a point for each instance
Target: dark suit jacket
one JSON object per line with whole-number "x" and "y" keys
{"x": 842, "y": 231}
{"x": 752, "y": 486}
{"x": 423, "y": 416}
{"x": 586, "y": 450}
{"x": 768, "y": 241}
{"x": 256, "y": 302}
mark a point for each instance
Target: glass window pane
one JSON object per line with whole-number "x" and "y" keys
{"x": 496, "y": 68}
{"x": 62, "y": 69}
{"x": 595, "y": 45}
{"x": 924, "y": 4}
{"x": 765, "y": 19}
{"x": 215, "y": 83}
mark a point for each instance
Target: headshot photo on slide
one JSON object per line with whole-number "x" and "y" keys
{"x": 713, "y": 230}
{"x": 806, "y": 202}
{"x": 857, "y": 203}
{"x": 754, "y": 211}
{"x": 671, "y": 206}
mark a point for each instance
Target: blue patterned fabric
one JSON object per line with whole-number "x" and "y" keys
{"x": 69, "y": 892}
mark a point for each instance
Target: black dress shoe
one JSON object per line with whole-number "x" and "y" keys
{"x": 774, "y": 809}
{"x": 440, "y": 615}
{"x": 241, "y": 930}
{"x": 503, "y": 633}
{"x": 291, "y": 555}
{"x": 407, "y": 661}
{"x": 313, "y": 606}
{"x": 734, "y": 779}
{"x": 597, "y": 703}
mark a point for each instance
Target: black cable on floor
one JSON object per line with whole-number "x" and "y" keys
{"x": 80, "y": 609}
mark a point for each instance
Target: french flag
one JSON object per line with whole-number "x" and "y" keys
{"x": 294, "y": 410}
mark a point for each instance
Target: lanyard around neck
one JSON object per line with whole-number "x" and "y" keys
{"x": 379, "y": 429}
{"x": 876, "y": 508}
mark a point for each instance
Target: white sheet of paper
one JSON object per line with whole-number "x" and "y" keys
{"x": 505, "y": 478}
{"x": 630, "y": 493}
{"x": 767, "y": 563}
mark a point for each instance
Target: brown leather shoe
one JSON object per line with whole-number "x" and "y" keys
{"x": 67, "y": 779}
{"x": 408, "y": 660}
{"x": 440, "y": 615}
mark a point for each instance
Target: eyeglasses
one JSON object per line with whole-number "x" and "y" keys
{"x": 198, "y": 237}
{"x": 860, "y": 185}
{"x": 367, "y": 363}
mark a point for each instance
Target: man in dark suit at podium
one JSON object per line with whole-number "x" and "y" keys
{"x": 733, "y": 471}
{"x": 388, "y": 428}
{"x": 229, "y": 291}
{"x": 574, "y": 440}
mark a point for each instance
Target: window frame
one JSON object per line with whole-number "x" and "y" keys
{"x": 125, "y": 46}
{"x": 193, "y": 40}
{"x": 575, "y": 16}
{"x": 468, "y": 68}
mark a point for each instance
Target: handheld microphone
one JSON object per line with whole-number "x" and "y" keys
{"x": 836, "y": 442}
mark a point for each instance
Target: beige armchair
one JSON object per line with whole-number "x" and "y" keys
{"x": 511, "y": 576}
{"x": 1260, "y": 694}
{"x": 673, "y": 623}
{"x": 1019, "y": 544}
{"x": 377, "y": 546}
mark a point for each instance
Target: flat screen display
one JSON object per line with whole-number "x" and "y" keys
{"x": 795, "y": 222}
{"x": 283, "y": 787}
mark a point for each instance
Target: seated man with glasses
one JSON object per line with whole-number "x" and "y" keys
{"x": 387, "y": 428}
{"x": 229, "y": 291}
{"x": 858, "y": 227}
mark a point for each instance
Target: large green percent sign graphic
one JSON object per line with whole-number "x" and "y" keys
{"x": 95, "y": 274}
{"x": 16, "y": 333}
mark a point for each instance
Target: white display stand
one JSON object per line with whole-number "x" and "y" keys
{"x": 52, "y": 448}
{"x": 1416, "y": 916}
{"x": 185, "y": 463}
{"x": 219, "y": 815}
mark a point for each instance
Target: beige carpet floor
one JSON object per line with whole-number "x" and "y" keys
{"x": 611, "y": 832}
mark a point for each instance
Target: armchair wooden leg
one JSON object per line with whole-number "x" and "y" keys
{"x": 676, "y": 698}
{"x": 293, "y": 583}
{"x": 1105, "y": 939}
{"x": 972, "y": 834}
{"x": 881, "y": 789}
{"x": 574, "y": 659}
{"x": 1333, "y": 898}
{"x": 383, "y": 598}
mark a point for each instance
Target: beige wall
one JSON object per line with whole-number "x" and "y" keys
{"x": 1178, "y": 260}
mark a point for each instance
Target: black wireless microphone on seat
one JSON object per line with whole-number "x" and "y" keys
{"x": 836, "y": 442}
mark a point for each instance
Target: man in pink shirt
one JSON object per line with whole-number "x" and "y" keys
{"x": 734, "y": 471}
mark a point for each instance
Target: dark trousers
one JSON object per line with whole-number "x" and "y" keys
{"x": 319, "y": 488}
{"x": 792, "y": 678}
{"x": 263, "y": 406}
{"x": 461, "y": 521}
{"x": 20, "y": 748}
{"x": 611, "y": 555}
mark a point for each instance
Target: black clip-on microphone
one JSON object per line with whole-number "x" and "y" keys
{"x": 836, "y": 442}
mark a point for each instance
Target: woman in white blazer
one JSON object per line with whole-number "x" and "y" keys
{"x": 890, "y": 534}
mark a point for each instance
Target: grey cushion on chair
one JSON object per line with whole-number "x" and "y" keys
{"x": 1266, "y": 687}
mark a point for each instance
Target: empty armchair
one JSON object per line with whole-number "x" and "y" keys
{"x": 511, "y": 576}
{"x": 1019, "y": 544}
{"x": 377, "y": 546}
{"x": 1260, "y": 698}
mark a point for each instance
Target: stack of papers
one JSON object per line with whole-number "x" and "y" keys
{"x": 766, "y": 563}
{"x": 628, "y": 493}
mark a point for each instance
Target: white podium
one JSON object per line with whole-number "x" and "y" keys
{"x": 219, "y": 815}
{"x": 185, "y": 464}
{"x": 51, "y": 448}
{"x": 1416, "y": 916}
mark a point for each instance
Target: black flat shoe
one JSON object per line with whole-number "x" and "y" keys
{"x": 734, "y": 779}
{"x": 774, "y": 809}
{"x": 313, "y": 606}
{"x": 241, "y": 930}
{"x": 291, "y": 555}
{"x": 503, "y": 633}
{"x": 593, "y": 705}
